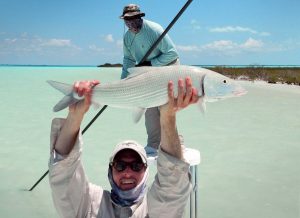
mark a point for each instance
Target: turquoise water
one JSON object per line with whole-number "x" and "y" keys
{"x": 250, "y": 146}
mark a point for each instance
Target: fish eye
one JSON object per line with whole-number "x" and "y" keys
{"x": 224, "y": 81}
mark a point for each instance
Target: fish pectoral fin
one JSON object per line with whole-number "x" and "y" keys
{"x": 137, "y": 114}
{"x": 65, "y": 102}
{"x": 96, "y": 106}
{"x": 202, "y": 105}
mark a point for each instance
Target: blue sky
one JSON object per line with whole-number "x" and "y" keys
{"x": 90, "y": 32}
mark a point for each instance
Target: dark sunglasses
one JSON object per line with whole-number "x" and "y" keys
{"x": 121, "y": 165}
{"x": 132, "y": 17}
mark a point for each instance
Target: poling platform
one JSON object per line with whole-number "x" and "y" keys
{"x": 192, "y": 156}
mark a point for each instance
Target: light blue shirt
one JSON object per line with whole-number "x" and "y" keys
{"x": 135, "y": 46}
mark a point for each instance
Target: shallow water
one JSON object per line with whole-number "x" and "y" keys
{"x": 250, "y": 146}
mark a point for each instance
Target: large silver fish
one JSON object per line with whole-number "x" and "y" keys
{"x": 146, "y": 87}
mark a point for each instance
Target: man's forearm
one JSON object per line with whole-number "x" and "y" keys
{"x": 68, "y": 135}
{"x": 170, "y": 142}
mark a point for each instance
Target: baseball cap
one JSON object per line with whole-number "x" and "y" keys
{"x": 129, "y": 144}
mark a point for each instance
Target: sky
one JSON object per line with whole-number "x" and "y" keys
{"x": 219, "y": 32}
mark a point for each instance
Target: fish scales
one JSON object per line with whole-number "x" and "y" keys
{"x": 145, "y": 90}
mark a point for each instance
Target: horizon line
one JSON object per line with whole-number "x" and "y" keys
{"x": 90, "y": 65}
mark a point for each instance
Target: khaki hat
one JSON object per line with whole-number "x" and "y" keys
{"x": 131, "y": 10}
{"x": 129, "y": 144}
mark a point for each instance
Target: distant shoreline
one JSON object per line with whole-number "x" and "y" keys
{"x": 120, "y": 65}
{"x": 110, "y": 65}
{"x": 284, "y": 74}
{"x": 276, "y": 74}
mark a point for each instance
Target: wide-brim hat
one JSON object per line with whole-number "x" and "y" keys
{"x": 132, "y": 145}
{"x": 131, "y": 10}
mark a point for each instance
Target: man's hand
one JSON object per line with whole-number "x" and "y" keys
{"x": 184, "y": 98}
{"x": 170, "y": 142}
{"x": 68, "y": 135}
{"x": 83, "y": 89}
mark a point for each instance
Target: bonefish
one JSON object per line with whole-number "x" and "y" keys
{"x": 146, "y": 87}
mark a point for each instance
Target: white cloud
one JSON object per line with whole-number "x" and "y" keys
{"x": 187, "y": 48}
{"x": 58, "y": 43}
{"x": 10, "y": 41}
{"x": 195, "y": 24}
{"x": 232, "y": 29}
{"x": 120, "y": 43}
{"x": 265, "y": 34}
{"x": 114, "y": 46}
{"x": 96, "y": 49}
{"x": 228, "y": 29}
{"x": 225, "y": 47}
{"x": 109, "y": 38}
{"x": 24, "y": 35}
{"x": 220, "y": 45}
{"x": 24, "y": 44}
{"x": 252, "y": 44}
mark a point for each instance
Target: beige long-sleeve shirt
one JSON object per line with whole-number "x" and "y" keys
{"x": 74, "y": 196}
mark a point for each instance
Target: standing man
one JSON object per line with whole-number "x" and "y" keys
{"x": 141, "y": 35}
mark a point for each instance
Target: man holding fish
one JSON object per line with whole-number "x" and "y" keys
{"x": 74, "y": 196}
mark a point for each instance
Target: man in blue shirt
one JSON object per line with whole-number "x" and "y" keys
{"x": 141, "y": 35}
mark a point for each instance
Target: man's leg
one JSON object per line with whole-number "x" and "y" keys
{"x": 152, "y": 122}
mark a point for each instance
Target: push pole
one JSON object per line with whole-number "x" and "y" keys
{"x": 166, "y": 30}
{"x": 143, "y": 59}
{"x": 82, "y": 132}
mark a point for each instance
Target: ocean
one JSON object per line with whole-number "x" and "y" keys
{"x": 250, "y": 146}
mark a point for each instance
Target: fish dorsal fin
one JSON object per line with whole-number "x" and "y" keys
{"x": 134, "y": 71}
{"x": 137, "y": 114}
{"x": 64, "y": 102}
{"x": 201, "y": 104}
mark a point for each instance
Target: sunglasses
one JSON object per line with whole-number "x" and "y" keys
{"x": 133, "y": 17}
{"x": 122, "y": 165}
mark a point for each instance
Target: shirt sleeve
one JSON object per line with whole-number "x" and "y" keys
{"x": 68, "y": 182}
{"x": 165, "y": 49}
{"x": 171, "y": 188}
{"x": 128, "y": 60}
{"x": 168, "y": 52}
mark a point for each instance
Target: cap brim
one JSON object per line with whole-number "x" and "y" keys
{"x": 132, "y": 145}
{"x": 133, "y": 14}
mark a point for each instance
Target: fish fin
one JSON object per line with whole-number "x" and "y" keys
{"x": 137, "y": 114}
{"x": 202, "y": 105}
{"x": 134, "y": 71}
{"x": 62, "y": 87}
{"x": 211, "y": 100}
{"x": 65, "y": 102}
{"x": 96, "y": 105}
